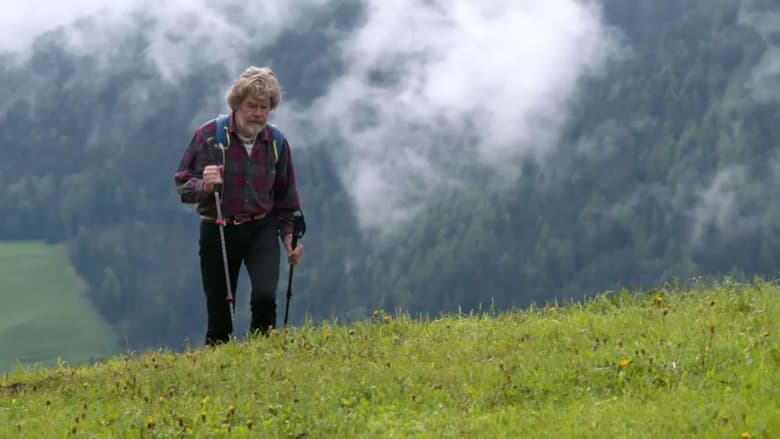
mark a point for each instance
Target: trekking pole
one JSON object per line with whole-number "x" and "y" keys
{"x": 223, "y": 142}
{"x": 299, "y": 228}
{"x": 221, "y": 225}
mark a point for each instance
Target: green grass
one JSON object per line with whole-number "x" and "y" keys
{"x": 44, "y": 315}
{"x": 663, "y": 364}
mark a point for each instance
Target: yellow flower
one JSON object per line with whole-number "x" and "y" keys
{"x": 387, "y": 319}
{"x": 659, "y": 299}
{"x": 376, "y": 314}
{"x": 623, "y": 363}
{"x": 150, "y": 423}
{"x": 746, "y": 435}
{"x": 249, "y": 424}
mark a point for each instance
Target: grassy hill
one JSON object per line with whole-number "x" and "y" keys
{"x": 698, "y": 362}
{"x": 44, "y": 315}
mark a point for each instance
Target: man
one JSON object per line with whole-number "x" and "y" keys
{"x": 257, "y": 189}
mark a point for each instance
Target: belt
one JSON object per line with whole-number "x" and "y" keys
{"x": 235, "y": 220}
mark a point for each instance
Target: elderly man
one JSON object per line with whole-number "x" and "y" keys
{"x": 251, "y": 173}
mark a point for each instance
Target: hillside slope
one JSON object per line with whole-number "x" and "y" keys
{"x": 699, "y": 362}
{"x": 45, "y": 313}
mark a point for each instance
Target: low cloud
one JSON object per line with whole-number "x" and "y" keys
{"x": 764, "y": 80}
{"x": 430, "y": 89}
{"x": 737, "y": 204}
{"x": 177, "y": 36}
{"x": 717, "y": 202}
{"x": 434, "y": 88}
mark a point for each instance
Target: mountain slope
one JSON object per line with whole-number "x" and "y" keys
{"x": 663, "y": 363}
{"x": 666, "y": 169}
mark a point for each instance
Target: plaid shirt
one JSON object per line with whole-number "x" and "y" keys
{"x": 252, "y": 184}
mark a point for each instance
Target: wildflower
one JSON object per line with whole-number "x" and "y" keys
{"x": 623, "y": 363}
{"x": 249, "y": 424}
{"x": 387, "y": 319}
{"x": 150, "y": 423}
{"x": 231, "y": 410}
{"x": 376, "y": 314}
{"x": 162, "y": 398}
{"x": 746, "y": 435}
{"x": 659, "y": 299}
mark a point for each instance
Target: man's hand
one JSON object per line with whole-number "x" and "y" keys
{"x": 212, "y": 175}
{"x": 293, "y": 256}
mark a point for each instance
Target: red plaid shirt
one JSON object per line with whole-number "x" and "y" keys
{"x": 252, "y": 183}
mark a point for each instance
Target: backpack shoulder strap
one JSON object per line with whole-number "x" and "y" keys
{"x": 278, "y": 142}
{"x": 223, "y": 139}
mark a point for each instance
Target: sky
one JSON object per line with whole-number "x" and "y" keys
{"x": 466, "y": 82}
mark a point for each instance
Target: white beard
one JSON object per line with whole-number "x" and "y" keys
{"x": 253, "y": 128}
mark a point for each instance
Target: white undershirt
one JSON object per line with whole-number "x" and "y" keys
{"x": 248, "y": 143}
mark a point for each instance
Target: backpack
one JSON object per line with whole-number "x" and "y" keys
{"x": 223, "y": 139}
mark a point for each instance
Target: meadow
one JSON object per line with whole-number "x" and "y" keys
{"x": 45, "y": 316}
{"x": 699, "y": 361}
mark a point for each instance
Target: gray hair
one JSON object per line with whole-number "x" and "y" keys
{"x": 261, "y": 82}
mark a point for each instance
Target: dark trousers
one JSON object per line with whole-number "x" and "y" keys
{"x": 256, "y": 245}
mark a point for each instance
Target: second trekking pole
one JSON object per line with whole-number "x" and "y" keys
{"x": 299, "y": 228}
